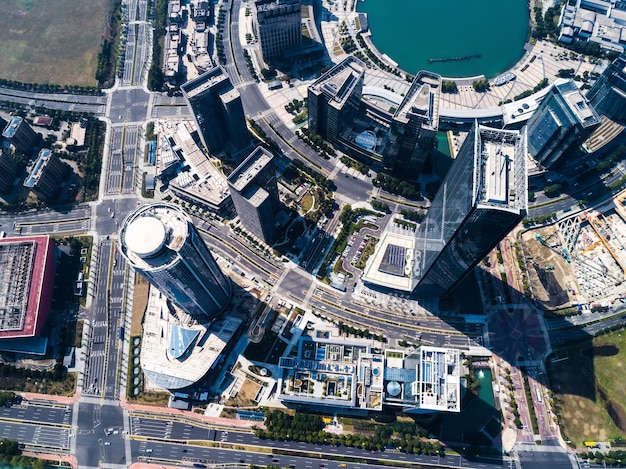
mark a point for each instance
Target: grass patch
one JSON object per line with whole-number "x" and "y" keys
{"x": 156, "y": 399}
{"x": 588, "y": 392}
{"x": 307, "y": 202}
{"x": 52, "y": 42}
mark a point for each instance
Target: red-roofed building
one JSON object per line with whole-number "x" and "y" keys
{"x": 26, "y": 285}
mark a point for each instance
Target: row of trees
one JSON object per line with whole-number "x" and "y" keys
{"x": 155, "y": 74}
{"x": 405, "y": 437}
{"x": 356, "y": 332}
{"x": 91, "y": 165}
{"x": 49, "y": 88}
{"x": 316, "y": 142}
{"x": 397, "y": 186}
{"x": 105, "y": 70}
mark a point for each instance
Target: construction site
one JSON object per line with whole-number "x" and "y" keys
{"x": 579, "y": 260}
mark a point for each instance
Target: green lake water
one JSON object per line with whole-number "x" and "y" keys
{"x": 413, "y": 31}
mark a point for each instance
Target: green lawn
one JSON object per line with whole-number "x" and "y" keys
{"x": 52, "y": 41}
{"x": 587, "y": 380}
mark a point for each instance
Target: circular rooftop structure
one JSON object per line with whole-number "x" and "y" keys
{"x": 145, "y": 236}
{"x": 366, "y": 140}
{"x": 152, "y": 235}
{"x": 394, "y": 388}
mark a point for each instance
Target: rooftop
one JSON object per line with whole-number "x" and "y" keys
{"x": 24, "y": 261}
{"x": 12, "y": 126}
{"x": 422, "y": 99}
{"x": 35, "y": 173}
{"x": 204, "y": 82}
{"x": 153, "y": 234}
{"x": 338, "y": 82}
{"x": 500, "y": 172}
{"x": 249, "y": 168}
{"x": 209, "y": 184}
{"x": 175, "y": 355}
{"x": 577, "y": 103}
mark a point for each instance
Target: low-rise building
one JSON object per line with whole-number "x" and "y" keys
{"x": 329, "y": 369}
{"x": 26, "y": 288}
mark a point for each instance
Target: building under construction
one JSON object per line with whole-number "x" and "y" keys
{"x": 26, "y": 285}
{"x": 579, "y": 259}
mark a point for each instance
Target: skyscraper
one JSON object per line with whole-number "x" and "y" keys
{"x": 160, "y": 241}
{"x": 563, "y": 119}
{"x": 254, "y": 192}
{"x": 334, "y": 99}
{"x": 218, "y": 112}
{"x": 278, "y": 25}
{"x": 608, "y": 93}
{"x": 482, "y": 198}
{"x": 414, "y": 125}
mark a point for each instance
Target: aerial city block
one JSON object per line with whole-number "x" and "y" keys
{"x": 238, "y": 234}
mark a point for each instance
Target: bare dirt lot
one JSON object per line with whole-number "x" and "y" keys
{"x": 44, "y": 41}
{"x": 549, "y": 273}
{"x": 140, "y": 301}
{"x": 245, "y": 396}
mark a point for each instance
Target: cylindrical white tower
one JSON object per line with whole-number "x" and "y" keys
{"x": 160, "y": 241}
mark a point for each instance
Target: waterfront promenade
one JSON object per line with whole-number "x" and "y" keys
{"x": 542, "y": 60}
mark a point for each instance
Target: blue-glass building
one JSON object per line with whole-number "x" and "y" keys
{"x": 160, "y": 241}
{"x": 482, "y": 198}
{"x": 563, "y": 119}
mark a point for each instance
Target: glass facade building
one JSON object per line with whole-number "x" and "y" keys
{"x": 482, "y": 198}
{"x": 278, "y": 25}
{"x": 218, "y": 111}
{"x": 160, "y": 241}
{"x": 254, "y": 192}
{"x": 334, "y": 99}
{"x": 608, "y": 93}
{"x": 563, "y": 119}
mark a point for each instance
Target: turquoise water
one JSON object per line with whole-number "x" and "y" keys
{"x": 485, "y": 390}
{"x": 412, "y": 31}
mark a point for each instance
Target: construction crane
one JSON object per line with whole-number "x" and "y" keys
{"x": 563, "y": 252}
{"x": 598, "y": 228}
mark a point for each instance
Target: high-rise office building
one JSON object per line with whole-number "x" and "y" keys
{"x": 21, "y": 135}
{"x": 8, "y": 172}
{"x": 482, "y": 198}
{"x": 563, "y": 119}
{"x": 278, "y": 25}
{"x": 414, "y": 125}
{"x": 608, "y": 93}
{"x": 46, "y": 175}
{"x": 160, "y": 241}
{"x": 218, "y": 112}
{"x": 254, "y": 192}
{"x": 334, "y": 99}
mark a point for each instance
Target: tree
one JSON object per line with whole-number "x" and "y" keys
{"x": 448, "y": 86}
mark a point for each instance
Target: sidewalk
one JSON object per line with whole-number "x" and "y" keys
{"x": 225, "y": 422}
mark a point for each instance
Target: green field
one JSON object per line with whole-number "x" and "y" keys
{"x": 52, "y": 41}
{"x": 588, "y": 383}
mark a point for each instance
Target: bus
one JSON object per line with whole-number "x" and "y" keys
{"x": 538, "y": 393}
